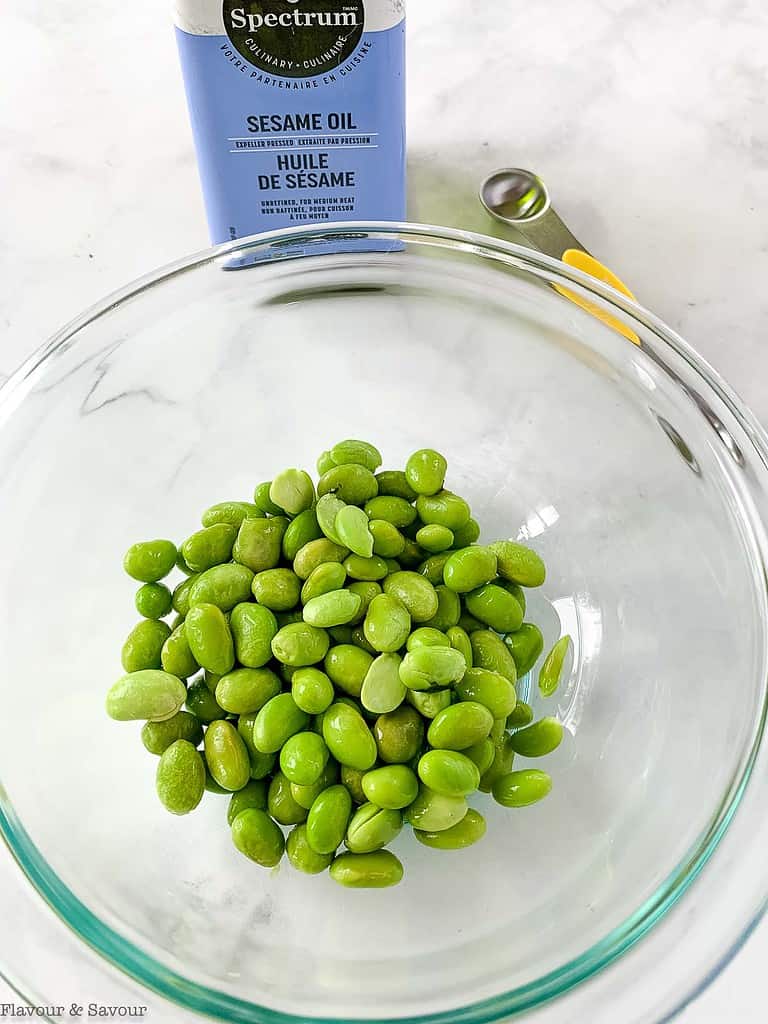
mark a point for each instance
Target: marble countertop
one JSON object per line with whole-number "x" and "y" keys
{"x": 647, "y": 119}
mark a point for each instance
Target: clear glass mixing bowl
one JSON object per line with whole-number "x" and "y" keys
{"x": 634, "y": 471}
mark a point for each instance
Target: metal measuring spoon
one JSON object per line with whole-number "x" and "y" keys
{"x": 520, "y": 200}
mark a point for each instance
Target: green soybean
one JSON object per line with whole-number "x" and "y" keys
{"x": 253, "y": 629}
{"x": 324, "y": 462}
{"x": 261, "y": 764}
{"x": 459, "y": 639}
{"x": 393, "y": 786}
{"x": 467, "y": 534}
{"x": 231, "y": 512}
{"x": 377, "y": 870}
{"x": 300, "y": 531}
{"x": 430, "y": 668}
{"x": 427, "y": 636}
{"x": 176, "y": 655}
{"x": 429, "y": 703}
{"x": 223, "y": 585}
{"x": 432, "y": 568}
{"x": 382, "y": 690}
{"x": 366, "y": 590}
{"x": 305, "y": 796}
{"x": 425, "y": 471}
{"x": 300, "y": 644}
{"x": 434, "y": 538}
{"x": 372, "y": 828}
{"x": 293, "y": 491}
{"x": 262, "y": 500}
{"x": 180, "y": 779}
{"x": 448, "y": 772}
{"x": 434, "y": 812}
{"x": 253, "y": 794}
{"x": 210, "y": 638}
{"x": 443, "y": 509}
{"x": 246, "y": 690}
{"x": 399, "y": 735}
{"x": 256, "y": 836}
{"x": 551, "y": 670}
{"x": 391, "y": 509}
{"x": 388, "y": 542}
{"x": 208, "y": 547}
{"x": 361, "y": 453}
{"x": 302, "y": 856}
{"x": 303, "y": 757}
{"x": 158, "y": 736}
{"x": 150, "y": 694}
{"x": 311, "y": 690}
{"x": 360, "y": 568}
{"x": 348, "y": 737}
{"x": 352, "y": 779}
{"x": 326, "y": 510}
{"x": 394, "y": 482}
{"x": 495, "y": 607}
{"x": 490, "y": 652}
{"x": 281, "y": 803}
{"x": 153, "y": 600}
{"x": 150, "y": 560}
{"x": 411, "y": 556}
{"x": 351, "y": 528}
{"x": 460, "y": 726}
{"x": 503, "y": 757}
{"x": 448, "y": 609}
{"x": 316, "y": 553}
{"x": 469, "y": 569}
{"x": 525, "y": 645}
{"x": 387, "y": 623}
{"x": 181, "y": 594}
{"x": 352, "y": 484}
{"x": 328, "y": 819}
{"x": 326, "y": 578}
{"x": 276, "y": 589}
{"x": 464, "y": 833}
{"x": 482, "y": 754}
{"x": 491, "y": 689}
{"x": 347, "y": 666}
{"x": 415, "y": 592}
{"x": 522, "y": 715}
{"x": 202, "y": 703}
{"x": 226, "y": 755}
{"x": 333, "y": 609}
{"x": 278, "y": 720}
{"x": 519, "y": 564}
{"x": 538, "y": 739}
{"x": 258, "y": 544}
{"x": 522, "y": 788}
{"x": 515, "y": 590}
{"x": 144, "y": 644}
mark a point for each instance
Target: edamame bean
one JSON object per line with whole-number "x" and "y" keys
{"x": 434, "y": 812}
{"x": 382, "y": 690}
{"x": 226, "y": 755}
{"x": 520, "y": 789}
{"x": 367, "y": 590}
{"x": 293, "y": 491}
{"x": 324, "y": 462}
{"x": 467, "y": 534}
{"x": 428, "y": 703}
{"x": 347, "y": 666}
{"x": 503, "y": 757}
{"x": 316, "y": 553}
{"x": 360, "y": 453}
{"x": 368, "y": 569}
{"x": 391, "y": 509}
{"x": 538, "y": 739}
{"x": 432, "y": 568}
{"x": 460, "y": 726}
{"x": 281, "y": 803}
{"x": 495, "y": 607}
{"x": 278, "y": 720}
{"x": 223, "y": 585}
{"x": 276, "y": 589}
{"x": 231, "y": 512}
{"x": 262, "y": 500}
{"x": 180, "y": 779}
{"x": 469, "y": 623}
{"x": 261, "y": 764}
{"x": 305, "y": 796}
{"x": 181, "y": 594}
{"x": 256, "y": 835}
{"x": 377, "y": 870}
{"x": 150, "y": 694}
{"x": 464, "y": 833}
{"x": 469, "y": 569}
{"x": 387, "y": 623}
{"x": 372, "y": 828}
{"x": 490, "y": 689}
{"x": 246, "y": 690}
{"x": 490, "y": 652}
{"x": 259, "y": 542}
{"x": 302, "y": 856}
{"x": 158, "y": 736}
{"x": 341, "y": 634}
{"x": 551, "y": 670}
{"x": 150, "y": 560}
{"x": 358, "y": 639}
{"x": 209, "y": 636}
{"x": 253, "y": 794}
{"x": 153, "y": 600}
{"x": 399, "y": 735}
{"x": 144, "y": 644}
{"x": 300, "y": 644}
{"x": 328, "y": 819}
{"x": 522, "y": 715}
{"x": 326, "y": 578}
{"x": 351, "y": 527}
{"x": 393, "y": 787}
{"x": 515, "y": 590}
{"x": 176, "y": 656}
{"x": 351, "y": 483}
{"x": 312, "y": 690}
{"x": 352, "y": 779}
{"x": 333, "y": 609}
{"x": 425, "y": 471}
{"x": 459, "y": 639}
{"x": 415, "y": 592}
{"x": 430, "y": 668}
{"x": 348, "y": 737}
{"x": 443, "y": 509}
{"x": 303, "y": 757}
{"x": 448, "y": 772}
{"x": 326, "y": 510}
{"x": 202, "y": 703}
{"x": 482, "y": 754}
{"x": 411, "y": 555}
{"x": 434, "y": 538}
{"x": 288, "y": 618}
{"x": 388, "y": 542}
{"x": 427, "y": 636}
{"x": 393, "y": 482}
{"x": 519, "y": 564}
{"x": 300, "y": 531}
{"x": 208, "y": 547}
{"x": 525, "y": 646}
{"x": 253, "y": 629}
{"x": 448, "y": 609}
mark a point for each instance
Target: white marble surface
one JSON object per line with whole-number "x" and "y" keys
{"x": 647, "y": 119}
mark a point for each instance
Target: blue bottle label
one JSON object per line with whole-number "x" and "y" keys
{"x": 297, "y": 110}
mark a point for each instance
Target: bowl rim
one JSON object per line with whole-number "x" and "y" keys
{"x": 170, "y": 984}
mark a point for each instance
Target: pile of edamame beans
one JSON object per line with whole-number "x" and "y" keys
{"x": 342, "y": 662}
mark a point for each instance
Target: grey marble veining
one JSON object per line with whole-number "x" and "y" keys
{"x": 648, "y": 120}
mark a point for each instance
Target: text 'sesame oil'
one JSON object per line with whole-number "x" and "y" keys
{"x": 297, "y": 109}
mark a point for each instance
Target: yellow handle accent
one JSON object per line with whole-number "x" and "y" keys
{"x": 589, "y": 265}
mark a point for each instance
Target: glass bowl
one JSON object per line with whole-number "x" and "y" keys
{"x": 633, "y": 470}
